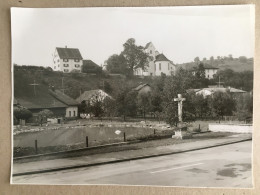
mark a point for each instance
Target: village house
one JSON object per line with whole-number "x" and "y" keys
{"x": 143, "y": 89}
{"x": 210, "y": 71}
{"x": 157, "y": 65}
{"x": 54, "y": 100}
{"x": 92, "y": 96}
{"x": 213, "y": 89}
{"x": 67, "y": 60}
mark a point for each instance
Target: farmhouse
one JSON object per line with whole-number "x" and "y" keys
{"x": 210, "y": 71}
{"x": 54, "y": 100}
{"x": 67, "y": 60}
{"x": 92, "y": 96}
{"x": 158, "y": 63}
{"x": 143, "y": 89}
{"x": 211, "y": 90}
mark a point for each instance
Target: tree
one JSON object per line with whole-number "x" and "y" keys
{"x": 221, "y": 104}
{"x": 144, "y": 102}
{"x": 230, "y": 56}
{"x": 197, "y": 60}
{"x": 135, "y": 56}
{"x": 22, "y": 113}
{"x": 117, "y": 64}
{"x": 44, "y": 114}
{"x": 242, "y": 59}
{"x": 244, "y": 106}
{"x": 175, "y": 85}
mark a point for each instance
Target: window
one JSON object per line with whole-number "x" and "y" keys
{"x": 54, "y": 67}
{"x": 65, "y": 60}
{"x": 58, "y": 60}
{"x": 151, "y": 51}
{"x": 154, "y": 67}
{"x": 168, "y": 66}
{"x": 74, "y": 113}
{"x": 66, "y": 65}
{"x": 76, "y": 60}
{"x": 77, "y": 65}
{"x": 160, "y": 66}
{"x": 69, "y": 113}
{"x": 58, "y": 65}
{"x": 66, "y": 70}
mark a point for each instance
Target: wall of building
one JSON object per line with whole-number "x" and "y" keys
{"x": 234, "y": 128}
{"x": 166, "y": 68}
{"x": 56, "y": 61}
{"x": 71, "y": 111}
{"x": 71, "y": 65}
{"x": 209, "y": 73}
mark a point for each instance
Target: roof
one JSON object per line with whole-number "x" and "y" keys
{"x": 69, "y": 53}
{"x": 161, "y": 57}
{"x": 63, "y": 98}
{"x": 53, "y": 99}
{"x": 233, "y": 90}
{"x": 222, "y": 89}
{"x": 206, "y": 66}
{"x": 90, "y": 63}
{"x": 147, "y": 45}
{"x": 87, "y": 95}
{"x": 139, "y": 87}
{"x": 192, "y": 90}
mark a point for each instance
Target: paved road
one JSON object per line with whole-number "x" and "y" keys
{"x": 224, "y": 166}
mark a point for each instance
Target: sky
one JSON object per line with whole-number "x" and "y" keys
{"x": 180, "y": 33}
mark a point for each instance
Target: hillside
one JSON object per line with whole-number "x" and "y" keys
{"x": 73, "y": 83}
{"x": 237, "y": 64}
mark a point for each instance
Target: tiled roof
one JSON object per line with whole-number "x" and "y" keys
{"x": 69, "y": 53}
{"x": 53, "y": 99}
{"x": 90, "y": 63}
{"x": 87, "y": 95}
{"x": 147, "y": 45}
{"x": 161, "y": 57}
{"x": 139, "y": 87}
{"x": 63, "y": 98}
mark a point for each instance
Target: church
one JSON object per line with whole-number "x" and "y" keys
{"x": 158, "y": 63}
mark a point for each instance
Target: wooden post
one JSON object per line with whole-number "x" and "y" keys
{"x": 36, "y": 147}
{"x": 86, "y": 141}
{"x": 124, "y": 137}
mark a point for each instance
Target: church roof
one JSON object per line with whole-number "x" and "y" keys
{"x": 69, "y": 53}
{"x": 147, "y": 45}
{"x": 161, "y": 57}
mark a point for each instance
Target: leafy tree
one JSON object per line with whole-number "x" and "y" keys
{"x": 242, "y": 59}
{"x": 175, "y": 85}
{"x": 244, "y": 106}
{"x": 44, "y": 114}
{"x": 117, "y": 64}
{"x": 221, "y": 104}
{"x": 197, "y": 60}
{"x": 22, "y": 113}
{"x": 144, "y": 102}
{"x": 110, "y": 107}
{"x": 135, "y": 56}
{"x": 230, "y": 56}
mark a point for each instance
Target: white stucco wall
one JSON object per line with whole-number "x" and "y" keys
{"x": 70, "y": 111}
{"x": 209, "y": 73}
{"x": 166, "y": 68}
{"x": 234, "y": 128}
{"x": 58, "y": 64}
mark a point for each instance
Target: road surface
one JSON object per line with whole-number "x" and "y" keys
{"x": 224, "y": 166}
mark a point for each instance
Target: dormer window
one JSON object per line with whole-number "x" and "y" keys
{"x": 65, "y": 60}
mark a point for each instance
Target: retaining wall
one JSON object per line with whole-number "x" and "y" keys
{"x": 234, "y": 128}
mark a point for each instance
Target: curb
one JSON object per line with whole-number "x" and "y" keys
{"x": 123, "y": 160}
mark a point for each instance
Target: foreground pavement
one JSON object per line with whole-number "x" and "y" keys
{"x": 223, "y": 166}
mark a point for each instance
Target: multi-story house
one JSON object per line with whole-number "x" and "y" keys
{"x": 67, "y": 60}
{"x": 209, "y": 70}
{"x": 157, "y": 65}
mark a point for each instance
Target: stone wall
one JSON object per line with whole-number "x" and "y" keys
{"x": 234, "y": 128}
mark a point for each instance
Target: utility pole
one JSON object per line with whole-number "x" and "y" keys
{"x": 219, "y": 81}
{"x": 34, "y": 84}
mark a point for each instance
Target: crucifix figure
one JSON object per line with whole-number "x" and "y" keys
{"x": 34, "y": 84}
{"x": 180, "y": 99}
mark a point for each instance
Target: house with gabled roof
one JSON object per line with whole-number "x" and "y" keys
{"x": 210, "y": 71}
{"x": 158, "y": 63}
{"x": 54, "y": 100}
{"x": 92, "y": 95}
{"x": 67, "y": 60}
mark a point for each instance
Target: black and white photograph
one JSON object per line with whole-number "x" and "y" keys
{"x": 140, "y": 96}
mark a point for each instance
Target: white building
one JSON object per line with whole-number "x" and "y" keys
{"x": 67, "y": 60}
{"x": 158, "y": 63}
{"x": 210, "y": 71}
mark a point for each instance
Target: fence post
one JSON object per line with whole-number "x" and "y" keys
{"x": 124, "y": 137}
{"x": 36, "y": 147}
{"x": 86, "y": 141}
